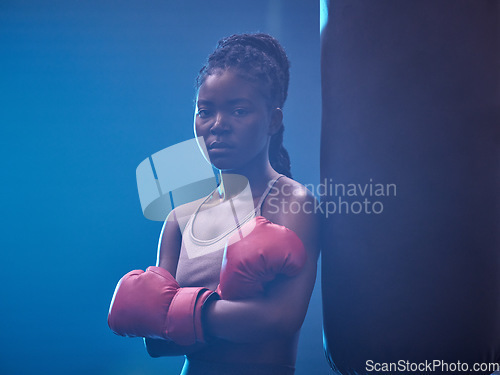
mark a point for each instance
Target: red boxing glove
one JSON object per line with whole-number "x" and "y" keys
{"x": 152, "y": 304}
{"x": 259, "y": 257}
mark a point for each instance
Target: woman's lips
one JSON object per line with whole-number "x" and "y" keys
{"x": 216, "y": 145}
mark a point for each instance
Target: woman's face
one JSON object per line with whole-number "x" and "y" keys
{"x": 233, "y": 117}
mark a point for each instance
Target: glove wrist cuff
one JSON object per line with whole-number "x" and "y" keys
{"x": 184, "y": 324}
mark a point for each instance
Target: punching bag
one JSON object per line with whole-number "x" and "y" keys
{"x": 410, "y": 163}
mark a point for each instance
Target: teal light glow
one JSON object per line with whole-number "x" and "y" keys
{"x": 323, "y": 14}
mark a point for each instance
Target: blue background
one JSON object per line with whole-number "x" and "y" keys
{"x": 88, "y": 90}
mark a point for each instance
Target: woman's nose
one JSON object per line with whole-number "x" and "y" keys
{"x": 220, "y": 124}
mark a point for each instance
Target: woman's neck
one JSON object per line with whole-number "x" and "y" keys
{"x": 233, "y": 182}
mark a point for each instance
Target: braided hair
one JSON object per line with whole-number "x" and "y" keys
{"x": 258, "y": 57}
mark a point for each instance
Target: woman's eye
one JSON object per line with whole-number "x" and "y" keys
{"x": 240, "y": 112}
{"x": 203, "y": 113}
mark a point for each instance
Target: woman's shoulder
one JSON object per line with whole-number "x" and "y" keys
{"x": 288, "y": 201}
{"x": 290, "y": 190}
{"x": 293, "y": 206}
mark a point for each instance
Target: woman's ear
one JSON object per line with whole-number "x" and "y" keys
{"x": 276, "y": 121}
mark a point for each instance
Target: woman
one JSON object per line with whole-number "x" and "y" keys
{"x": 241, "y": 93}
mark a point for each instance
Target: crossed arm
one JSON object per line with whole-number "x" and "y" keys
{"x": 279, "y": 312}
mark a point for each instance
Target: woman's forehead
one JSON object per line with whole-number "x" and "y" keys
{"x": 230, "y": 86}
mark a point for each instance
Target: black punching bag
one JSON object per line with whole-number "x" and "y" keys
{"x": 410, "y": 163}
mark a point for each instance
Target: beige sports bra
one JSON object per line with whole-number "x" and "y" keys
{"x": 200, "y": 259}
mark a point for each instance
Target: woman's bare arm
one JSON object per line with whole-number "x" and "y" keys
{"x": 281, "y": 311}
{"x": 168, "y": 256}
{"x": 170, "y": 244}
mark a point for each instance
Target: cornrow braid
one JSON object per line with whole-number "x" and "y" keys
{"x": 257, "y": 57}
